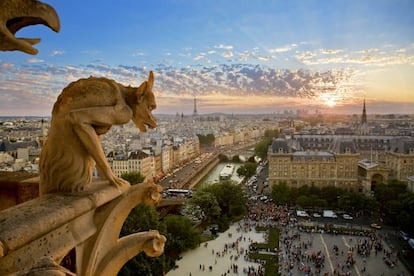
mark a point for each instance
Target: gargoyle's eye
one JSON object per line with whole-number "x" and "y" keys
{"x": 151, "y": 107}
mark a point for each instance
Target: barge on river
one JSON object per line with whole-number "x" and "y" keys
{"x": 226, "y": 172}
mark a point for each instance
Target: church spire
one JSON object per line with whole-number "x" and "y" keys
{"x": 364, "y": 115}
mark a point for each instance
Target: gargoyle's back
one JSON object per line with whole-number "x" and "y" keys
{"x": 86, "y": 93}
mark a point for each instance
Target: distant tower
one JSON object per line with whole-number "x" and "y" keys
{"x": 364, "y": 115}
{"x": 43, "y": 133}
{"x": 364, "y": 129}
{"x": 195, "y": 107}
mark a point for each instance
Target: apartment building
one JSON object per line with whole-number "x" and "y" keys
{"x": 337, "y": 166}
{"x": 341, "y": 160}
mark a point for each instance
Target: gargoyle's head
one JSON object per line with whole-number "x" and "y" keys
{"x": 154, "y": 246}
{"x": 17, "y": 14}
{"x": 144, "y": 105}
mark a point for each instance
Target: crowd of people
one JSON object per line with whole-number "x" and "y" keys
{"x": 235, "y": 248}
{"x": 298, "y": 255}
{"x": 299, "y": 252}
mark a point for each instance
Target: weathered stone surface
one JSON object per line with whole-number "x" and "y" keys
{"x": 89, "y": 221}
{"x": 17, "y": 14}
{"x": 83, "y": 111}
{"x": 26, "y": 222}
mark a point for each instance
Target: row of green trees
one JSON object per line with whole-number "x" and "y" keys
{"x": 391, "y": 202}
{"x": 313, "y": 197}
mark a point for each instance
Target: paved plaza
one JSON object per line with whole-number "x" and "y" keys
{"x": 226, "y": 255}
{"x": 305, "y": 253}
{"x": 301, "y": 253}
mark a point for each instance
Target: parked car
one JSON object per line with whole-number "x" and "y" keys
{"x": 316, "y": 215}
{"x": 347, "y": 216}
{"x": 375, "y": 226}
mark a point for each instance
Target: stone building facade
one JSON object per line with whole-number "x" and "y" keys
{"x": 341, "y": 160}
{"x": 297, "y": 167}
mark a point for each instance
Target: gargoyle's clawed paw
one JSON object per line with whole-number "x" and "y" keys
{"x": 121, "y": 184}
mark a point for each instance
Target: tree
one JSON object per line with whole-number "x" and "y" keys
{"x": 133, "y": 177}
{"x": 206, "y": 140}
{"x": 180, "y": 234}
{"x": 330, "y": 193}
{"x": 247, "y": 170}
{"x": 229, "y": 196}
{"x": 387, "y": 192}
{"x": 261, "y": 148}
{"x": 271, "y": 133}
{"x": 280, "y": 193}
{"x": 142, "y": 218}
{"x": 207, "y": 203}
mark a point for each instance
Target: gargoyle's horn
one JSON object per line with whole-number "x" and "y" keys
{"x": 150, "y": 81}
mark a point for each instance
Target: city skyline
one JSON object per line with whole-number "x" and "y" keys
{"x": 253, "y": 57}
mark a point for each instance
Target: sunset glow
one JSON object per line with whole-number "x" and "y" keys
{"x": 220, "y": 53}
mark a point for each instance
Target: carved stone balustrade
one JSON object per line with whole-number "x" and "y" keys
{"x": 35, "y": 236}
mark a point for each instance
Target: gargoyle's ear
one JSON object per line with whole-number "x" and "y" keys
{"x": 150, "y": 82}
{"x": 141, "y": 89}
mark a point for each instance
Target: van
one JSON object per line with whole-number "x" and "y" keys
{"x": 300, "y": 213}
{"x": 329, "y": 214}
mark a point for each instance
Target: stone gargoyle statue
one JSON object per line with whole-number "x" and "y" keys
{"x": 86, "y": 109}
{"x": 17, "y": 14}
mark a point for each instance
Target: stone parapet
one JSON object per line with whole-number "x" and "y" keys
{"x": 89, "y": 222}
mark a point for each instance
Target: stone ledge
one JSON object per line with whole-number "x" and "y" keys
{"x": 28, "y": 221}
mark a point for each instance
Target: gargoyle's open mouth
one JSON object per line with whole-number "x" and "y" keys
{"x": 150, "y": 125}
{"x": 18, "y": 16}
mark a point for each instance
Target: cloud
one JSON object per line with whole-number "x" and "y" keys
{"x": 35, "y": 60}
{"x": 227, "y": 54}
{"x": 331, "y": 51}
{"x": 200, "y": 56}
{"x": 138, "y": 54}
{"x": 232, "y": 80}
{"x": 224, "y": 47}
{"x": 283, "y": 49}
{"x": 5, "y": 67}
{"x": 368, "y": 57}
{"x": 249, "y": 82}
{"x": 57, "y": 53}
{"x": 263, "y": 58}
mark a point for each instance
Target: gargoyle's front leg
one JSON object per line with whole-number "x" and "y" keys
{"x": 85, "y": 119}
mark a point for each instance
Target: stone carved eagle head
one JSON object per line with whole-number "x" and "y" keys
{"x": 17, "y": 14}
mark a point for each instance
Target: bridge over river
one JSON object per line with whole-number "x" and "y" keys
{"x": 244, "y": 152}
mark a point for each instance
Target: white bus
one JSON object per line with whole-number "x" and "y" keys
{"x": 179, "y": 192}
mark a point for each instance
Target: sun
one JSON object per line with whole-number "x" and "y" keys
{"x": 330, "y": 102}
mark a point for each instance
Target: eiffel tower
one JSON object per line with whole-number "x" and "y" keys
{"x": 195, "y": 107}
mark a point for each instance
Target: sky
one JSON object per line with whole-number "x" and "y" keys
{"x": 244, "y": 56}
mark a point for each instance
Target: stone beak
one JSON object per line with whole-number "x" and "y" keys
{"x": 17, "y": 14}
